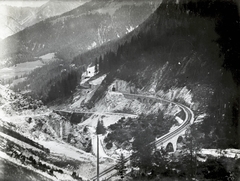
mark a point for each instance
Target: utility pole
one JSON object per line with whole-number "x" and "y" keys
{"x": 97, "y": 159}
{"x": 189, "y": 135}
{"x": 191, "y": 151}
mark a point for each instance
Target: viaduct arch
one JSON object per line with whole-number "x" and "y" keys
{"x": 174, "y": 141}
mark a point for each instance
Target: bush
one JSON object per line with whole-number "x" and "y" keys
{"x": 51, "y": 172}
{"x": 31, "y": 158}
{"x": 114, "y": 126}
{"x": 213, "y": 169}
{"x": 74, "y": 174}
{"x": 109, "y": 145}
{"x": 29, "y": 120}
{"x": 60, "y": 171}
{"x": 124, "y": 130}
{"x": 34, "y": 162}
{"x": 85, "y": 129}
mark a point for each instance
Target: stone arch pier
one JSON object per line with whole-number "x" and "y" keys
{"x": 173, "y": 143}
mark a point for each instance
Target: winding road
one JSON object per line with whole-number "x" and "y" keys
{"x": 189, "y": 119}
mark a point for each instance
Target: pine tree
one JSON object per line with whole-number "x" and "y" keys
{"x": 89, "y": 147}
{"x": 100, "y": 129}
{"x": 142, "y": 155}
{"x": 160, "y": 161}
{"x": 100, "y": 65}
{"x": 121, "y": 166}
{"x": 96, "y": 66}
{"x": 192, "y": 146}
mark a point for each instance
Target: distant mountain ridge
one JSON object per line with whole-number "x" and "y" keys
{"x": 26, "y": 16}
{"x": 76, "y": 31}
{"x": 11, "y": 18}
{"x": 50, "y": 9}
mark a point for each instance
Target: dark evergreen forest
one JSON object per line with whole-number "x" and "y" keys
{"x": 57, "y": 80}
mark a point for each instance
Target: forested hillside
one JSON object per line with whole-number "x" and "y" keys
{"x": 52, "y": 81}
{"x": 192, "y": 44}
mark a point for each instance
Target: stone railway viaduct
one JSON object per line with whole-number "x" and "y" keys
{"x": 170, "y": 142}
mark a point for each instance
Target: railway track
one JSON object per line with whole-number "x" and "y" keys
{"x": 189, "y": 118}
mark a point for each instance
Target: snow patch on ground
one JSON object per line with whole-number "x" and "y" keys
{"x": 129, "y": 29}
{"x": 231, "y": 153}
{"x": 47, "y": 58}
{"x": 66, "y": 150}
{"x": 200, "y": 118}
{"x": 107, "y": 120}
{"x": 98, "y": 81}
{"x": 17, "y": 81}
{"x": 102, "y": 153}
{"x": 94, "y": 44}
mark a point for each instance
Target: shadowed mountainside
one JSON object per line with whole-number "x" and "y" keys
{"x": 193, "y": 44}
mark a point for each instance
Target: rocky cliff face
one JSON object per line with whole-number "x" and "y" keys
{"x": 76, "y": 135}
{"x": 33, "y": 120}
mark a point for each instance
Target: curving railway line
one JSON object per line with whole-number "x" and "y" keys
{"x": 189, "y": 118}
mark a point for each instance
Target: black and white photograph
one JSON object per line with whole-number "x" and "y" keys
{"x": 119, "y": 90}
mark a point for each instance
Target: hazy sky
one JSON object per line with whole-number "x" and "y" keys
{"x": 23, "y": 3}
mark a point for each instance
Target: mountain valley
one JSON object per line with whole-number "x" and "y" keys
{"x": 139, "y": 90}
